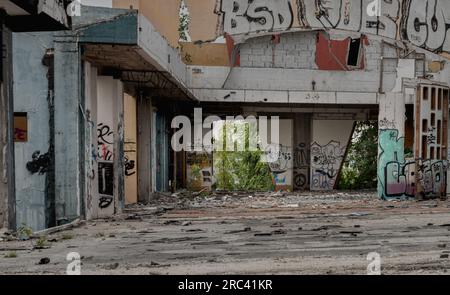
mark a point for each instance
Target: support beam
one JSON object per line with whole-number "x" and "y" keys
{"x": 7, "y": 188}
{"x": 68, "y": 143}
{"x": 144, "y": 157}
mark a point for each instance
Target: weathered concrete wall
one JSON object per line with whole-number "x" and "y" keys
{"x": 32, "y": 158}
{"x": 330, "y": 140}
{"x": 207, "y": 54}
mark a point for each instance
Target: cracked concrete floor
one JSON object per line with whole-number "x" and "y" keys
{"x": 301, "y": 234}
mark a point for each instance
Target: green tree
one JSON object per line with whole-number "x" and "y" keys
{"x": 360, "y": 167}
{"x": 240, "y": 170}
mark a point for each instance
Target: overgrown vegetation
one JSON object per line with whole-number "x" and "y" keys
{"x": 240, "y": 170}
{"x": 24, "y": 232}
{"x": 360, "y": 167}
{"x": 41, "y": 243}
{"x": 183, "y": 27}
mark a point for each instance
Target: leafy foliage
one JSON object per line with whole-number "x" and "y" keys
{"x": 241, "y": 170}
{"x": 360, "y": 167}
{"x": 183, "y": 27}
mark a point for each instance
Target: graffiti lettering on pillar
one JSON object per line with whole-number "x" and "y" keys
{"x": 424, "y": 23}
{"x": 282, "y": 159}
{"x": 386, "y": 124}
{"x": 325, "y": 164}
{"x": 392, "y": 158}
{"x": 105, "y": 142}
{"x": 39, "y": 164}
{"x": 105, "y": 136}
{"x": 130, "y": 167}
{"x": 280, "y": 162}
{"x": 400, "y": 178}
{"x": 431, "y": 137}
{"x": 257, "y": 15}
{"x": 397, "y": 177}
{"x": 301, "y": 166}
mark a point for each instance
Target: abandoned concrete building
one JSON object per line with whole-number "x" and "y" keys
{"x": 93, "y": 104}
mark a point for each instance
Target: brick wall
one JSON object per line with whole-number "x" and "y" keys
{"x": 298, "y": 51}
{"x": 294, "y": 51}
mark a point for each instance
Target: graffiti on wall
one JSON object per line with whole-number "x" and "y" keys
{"x": 39, "y": 164}
{"x": 391, "y": 154}
{"x": 130, "y": 167}
{"x": 424, "y": 23}
{"x": 280, "y": 162}
{"x": 301, "y": 166}
{"x": 325, "y": 164}
{"x": 105, "y": 136}
{"x": 260, "y": 15}
{"x": 397, "y": 176}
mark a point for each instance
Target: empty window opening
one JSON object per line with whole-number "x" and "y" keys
{"x": 20, "y": 127}
{"x": 424, "y": 147}
{"x": 425, "y": 125}
{"x": 439, "y": 132}
{"x": 433, "y": 99}
{"x": 425, "y": 93}
{"x": 354, "y": 52}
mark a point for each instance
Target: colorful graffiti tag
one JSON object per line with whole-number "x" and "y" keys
{"x": 397, "y": 177}
{"x": 424, "y": 23}
{"x": 280, "y": 163}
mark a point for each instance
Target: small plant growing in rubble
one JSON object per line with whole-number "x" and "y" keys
{"x": 24, "y": 232}
{"x": 11, "y": 254}
{"x": 67, "y": 236}
{"x": 41, "y": 243}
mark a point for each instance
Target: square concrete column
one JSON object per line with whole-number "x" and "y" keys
{"x": 68, "y": 139}
{"x": 144, "y": 155}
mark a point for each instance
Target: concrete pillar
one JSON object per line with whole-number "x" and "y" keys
{"x": 7, "y": 179}
{"x": 3, "y": 169}
{"x": 68, "y": 120}
{"x": 130, "y": 129}
{"x": 391, "y": 145}
{"x": 91, "y": 143}
{"x": 302, "y": 144}
{"x": 144, "y": 152}
{"x": 119, "y": 159}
